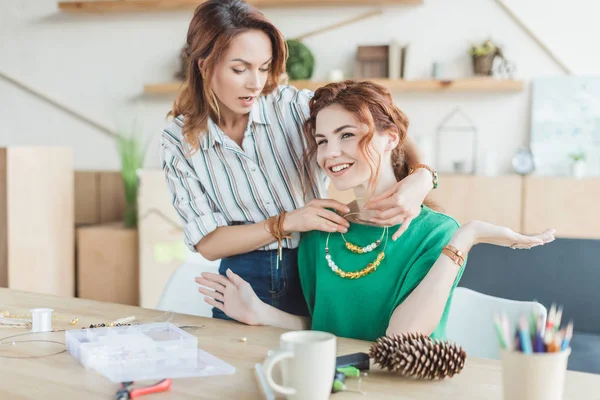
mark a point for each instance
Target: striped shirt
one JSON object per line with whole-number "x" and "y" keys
{"x": 222, "y": 184}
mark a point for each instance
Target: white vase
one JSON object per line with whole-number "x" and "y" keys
{"x": 578, "y": 169}
{"x": 336, "y": 75}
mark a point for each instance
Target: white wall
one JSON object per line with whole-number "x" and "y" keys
{"x": 569, "y": 29}
{"x": 98, "y": 64}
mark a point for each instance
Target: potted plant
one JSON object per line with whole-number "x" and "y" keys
{"x": 132, "y": 154}
{"x": 483, "y": 57}
{"x": 577, "y": 164}
{"x": 301, "y": 62}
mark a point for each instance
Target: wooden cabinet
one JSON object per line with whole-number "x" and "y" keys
{"x": 492, "y": 199}
{"x": 571, "y": 206}
{"x": 37, "y": 220}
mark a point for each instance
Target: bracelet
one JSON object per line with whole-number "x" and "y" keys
{"x": 434, "y": 174}
{"x": 457, "y": 256}
{"x": 275, "y": 227}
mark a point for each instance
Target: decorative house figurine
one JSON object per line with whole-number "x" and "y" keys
{"x": 456, "y": 152}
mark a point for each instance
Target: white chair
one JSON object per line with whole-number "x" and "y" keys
{"x": 470, "y": 320}
{"x": 181, "y": 294}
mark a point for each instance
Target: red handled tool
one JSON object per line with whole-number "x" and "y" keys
{"x": 127, "y": 392}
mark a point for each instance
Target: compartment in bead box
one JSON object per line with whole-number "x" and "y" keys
{"x": 133, "y": 343}
{"x": 141, "y": 352}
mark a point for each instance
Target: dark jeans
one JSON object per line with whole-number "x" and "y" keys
{"x": 279, "y": 287}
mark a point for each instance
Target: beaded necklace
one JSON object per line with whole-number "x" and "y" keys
{"x": 371, "y": 267}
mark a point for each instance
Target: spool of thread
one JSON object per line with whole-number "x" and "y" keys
{"x": 41, "y": 319}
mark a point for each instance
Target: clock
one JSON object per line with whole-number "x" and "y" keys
{"x": 523, "y": 162}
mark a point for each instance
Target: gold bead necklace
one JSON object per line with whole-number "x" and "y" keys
{"x": 371, "y": 267}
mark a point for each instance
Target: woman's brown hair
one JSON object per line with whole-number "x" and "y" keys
{"x": 374, "y": 106}
{"x": 213, "y": 27}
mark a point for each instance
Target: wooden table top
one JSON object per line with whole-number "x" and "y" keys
{"x": 61, "y": 376}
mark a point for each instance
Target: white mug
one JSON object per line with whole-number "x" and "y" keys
{"x": 307, "y": 365}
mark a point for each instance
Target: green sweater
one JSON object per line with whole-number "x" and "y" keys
{"x": 362, "y": 308}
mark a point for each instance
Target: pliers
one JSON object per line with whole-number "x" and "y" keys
{"x": 127, "y": 393}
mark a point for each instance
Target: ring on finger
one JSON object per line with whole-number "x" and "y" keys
{"x": 518, "y": 246}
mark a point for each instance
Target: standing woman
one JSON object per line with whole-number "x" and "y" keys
{"x": 232, "y": 157}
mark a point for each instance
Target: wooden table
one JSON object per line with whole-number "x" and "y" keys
{"x": 61, "y": 376}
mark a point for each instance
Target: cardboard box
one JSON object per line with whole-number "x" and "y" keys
{"x": 37, "y": 220}
{"x": 99, "y": 197}
{"x": 107, "y": 263}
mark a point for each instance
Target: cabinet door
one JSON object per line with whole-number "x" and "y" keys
{"x": 492, "y": 199}
{"x": 571, "y": 206}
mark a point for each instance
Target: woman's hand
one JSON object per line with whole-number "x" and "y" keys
{"x": 402, "y": 202}
{"x": 232, "y": 295}
{"x": 474, "y": 232}
{"x": 315, "y": 216}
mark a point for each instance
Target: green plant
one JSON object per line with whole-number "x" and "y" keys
{"x": 579, "y": 156}
{"x": 301, "y": 62}
{"x": 485, "y": 48}
{"x": 131, "y": 152}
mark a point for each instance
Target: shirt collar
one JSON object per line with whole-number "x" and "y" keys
{"x": 214, "y": 135}
{"x": 259, "y": 113}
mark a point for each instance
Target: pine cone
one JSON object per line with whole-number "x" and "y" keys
{"x": 417, "y": 355}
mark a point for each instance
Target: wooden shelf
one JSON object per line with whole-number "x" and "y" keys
{"x": 162, "y": 88}
{"x": 114, "y": 6}
{"x": 458, "y": 85}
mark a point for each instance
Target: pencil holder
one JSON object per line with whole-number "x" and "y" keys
{"x": 537, "y": 376}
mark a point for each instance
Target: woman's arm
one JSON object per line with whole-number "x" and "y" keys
{"x": 269, "y": 315}
{"x": 423, "y": 308}
{"x": 236, "y": 298}
{"x": 226, "y": 241}
{"x": 402, "y": 202}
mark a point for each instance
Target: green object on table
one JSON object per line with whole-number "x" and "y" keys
{"x": 350, "y": 372}
{"x": 338, "y": 386}
{"x": 301, "y": 62}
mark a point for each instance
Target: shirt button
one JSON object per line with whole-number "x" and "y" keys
{"x": 268, "y": 202}
{"x": 253, "y": 168}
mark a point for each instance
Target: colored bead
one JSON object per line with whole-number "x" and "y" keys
{"x": 371, "y": 267}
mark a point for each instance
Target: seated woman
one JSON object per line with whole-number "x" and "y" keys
{"x": 361, "y": 284}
